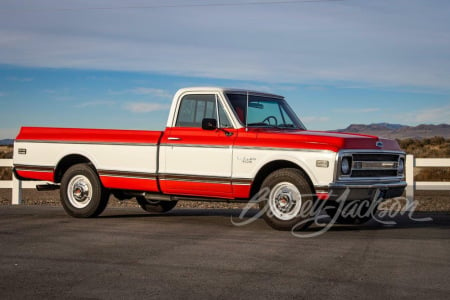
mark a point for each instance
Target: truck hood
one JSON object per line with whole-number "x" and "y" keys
{"x": 322, "y": 140}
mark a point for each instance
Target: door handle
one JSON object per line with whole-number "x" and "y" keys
{"x": 171, "y": 138}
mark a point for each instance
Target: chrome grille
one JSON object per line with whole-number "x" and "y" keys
{"x": 370, "y": 165}
{"x": 375, "y": 157}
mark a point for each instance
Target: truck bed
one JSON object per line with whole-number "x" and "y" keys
{"x": 124, "y": 159}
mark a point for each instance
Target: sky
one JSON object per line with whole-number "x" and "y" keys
{"x": 117, "y": 64}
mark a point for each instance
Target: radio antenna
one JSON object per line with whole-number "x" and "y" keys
{"x": 246, "y": 115}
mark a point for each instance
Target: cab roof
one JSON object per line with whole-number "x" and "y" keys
{"x": 227, "y": 90}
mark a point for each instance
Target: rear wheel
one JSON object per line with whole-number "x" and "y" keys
{"x": 288, "y": 200}
{"x": 155, "y": 206}
{"x": 82, "y": 194}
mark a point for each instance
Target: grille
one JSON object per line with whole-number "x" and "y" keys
{"x": 374, "y": 173}
{"x": 375, "y": 157}
{"x": 370, "y": 165}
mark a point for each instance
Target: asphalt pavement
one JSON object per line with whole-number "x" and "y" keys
{"x": 199, "y": 253}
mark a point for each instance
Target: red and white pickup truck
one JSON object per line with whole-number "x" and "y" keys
{"x": 219, "y": 145}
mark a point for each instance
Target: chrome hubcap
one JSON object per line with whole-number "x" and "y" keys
{"x": 79, "y": 191}
{"x": 285, "y": 201}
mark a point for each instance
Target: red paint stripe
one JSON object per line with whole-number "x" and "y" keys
{"x": 138, "y": 184}
{"x": 199, "y": 189}
{"x": 241, "y": 191}
{"x": 45, "y": 176}
{"x": 88, "y": 135}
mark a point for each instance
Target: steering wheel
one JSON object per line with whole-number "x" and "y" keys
{"x": 269, "y": 118}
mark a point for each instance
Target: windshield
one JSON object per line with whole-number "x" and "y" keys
{"x": 264, "y": 112}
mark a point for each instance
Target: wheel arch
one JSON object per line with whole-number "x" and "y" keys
{"x": 66, "y": 162}
{"x": 273, "y": 166}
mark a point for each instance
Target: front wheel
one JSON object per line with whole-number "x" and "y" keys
{"x": 155, "y": 206}
{"x": 82, "y": 194}
{"x": 288, "y": 200}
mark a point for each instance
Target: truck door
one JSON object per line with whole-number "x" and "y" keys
{"x": 194, "y": 161}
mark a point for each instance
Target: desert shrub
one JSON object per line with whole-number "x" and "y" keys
{"x": 5, "y": 174}
{"x": 6, "y": 153}
{"x": 433, "y": 174}
{"x": 435, "y": 147}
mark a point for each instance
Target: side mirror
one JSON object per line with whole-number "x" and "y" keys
{"x": 209, "y": 124}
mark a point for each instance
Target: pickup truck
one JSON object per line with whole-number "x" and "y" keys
{"x": 219, "y": 145}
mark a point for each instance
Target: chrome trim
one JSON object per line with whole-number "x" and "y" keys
{"x": 374, "y": 165}
{"x": 386, "y": 185}
{"x": 195, "y": 178}
{"x": 127, "y": 174}
{"x": 34, "y": 168}
{"x": 241, "y": 181}
{"x": 321, "y": 189}
{"x": 82, "y": 143}
{"x": 196, "y": 146}
{"x": 205, "y": 179}
{"x": 354, "y": 180}
{"x": 374, "y": 151}
{"x": 281, "y": 149}
{"x": 243, "y": 147}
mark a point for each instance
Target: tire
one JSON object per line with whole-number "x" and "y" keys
{"x": 287, "y": 195}
{"x": 82, "y": 194}
{"x": 155, "y": 206}
{"x": 360, "y": 217}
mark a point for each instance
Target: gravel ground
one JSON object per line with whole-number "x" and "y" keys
{"x": 427, "y": 201}
{"x": 51, "y": 198}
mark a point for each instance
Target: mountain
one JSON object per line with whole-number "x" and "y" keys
{"x": 6, "y": 142}
{"x": 398, "y": 131}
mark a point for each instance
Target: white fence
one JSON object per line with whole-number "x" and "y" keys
{"x": 413, "y": 186}
{"x": 411, "y": 163}
{"x": 16, "y": 185}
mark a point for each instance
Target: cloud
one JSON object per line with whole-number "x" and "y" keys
{"x": 432, "y": 115}
{"x": 96, "y": 103}
{"x": 145, "y": 107}
{"x": 372, "y": 43}
{"x": 159, "y": 93}
{"x": 312, "y": 119}
{"x": 151, "y": 91}
{"x": 316, "y": 88}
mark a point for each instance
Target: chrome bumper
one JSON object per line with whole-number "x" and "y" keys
{"x": 362, "y": 191}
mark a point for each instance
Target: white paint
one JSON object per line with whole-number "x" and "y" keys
{"x": 104, "y": 157}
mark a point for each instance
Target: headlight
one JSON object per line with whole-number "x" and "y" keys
{"x": 401, "y": 166}
{"x": 345, "y": 166}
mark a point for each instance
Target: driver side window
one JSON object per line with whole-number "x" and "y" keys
{"x": 194, "y": 108}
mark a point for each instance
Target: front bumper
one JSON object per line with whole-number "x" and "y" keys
{"x": 360, "y": 191}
